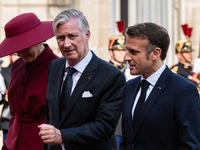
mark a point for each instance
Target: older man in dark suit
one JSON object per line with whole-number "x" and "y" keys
{"x": 82, "y": 113}
{"x": 161, "y": 109}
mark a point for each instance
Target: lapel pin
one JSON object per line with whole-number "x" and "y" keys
{"x": 159, "y": 88}
{"x": 88, "y": 78}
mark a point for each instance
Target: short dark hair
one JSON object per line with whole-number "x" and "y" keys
{"x": 156, "y": 35}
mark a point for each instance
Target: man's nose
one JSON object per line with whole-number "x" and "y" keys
{"x": 67, "y": 42}
{"x": 127, "y": 57}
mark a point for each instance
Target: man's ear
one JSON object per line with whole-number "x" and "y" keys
{"x": 87, "y": 35}
{"x": 110, "y": 52}
{"x": 155, "y": 54}
{"x": 179, "y": 55}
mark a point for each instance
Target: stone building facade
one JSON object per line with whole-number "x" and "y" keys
{"x": 103, "y": 14}
{"x": 98, "y": 13}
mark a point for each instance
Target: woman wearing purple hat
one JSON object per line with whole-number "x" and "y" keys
{"x": 25, "y": 35}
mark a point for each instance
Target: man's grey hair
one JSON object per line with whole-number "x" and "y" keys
{"x": 66, "y": 15}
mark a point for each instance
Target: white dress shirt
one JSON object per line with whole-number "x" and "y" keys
{"x": 80, "y": 67}
{"x": 152, "y": 79}
{"x": 2, "y": 86}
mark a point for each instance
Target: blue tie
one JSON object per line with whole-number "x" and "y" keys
{"x": 66, "y": 90}
{"x": 144, "y": 87}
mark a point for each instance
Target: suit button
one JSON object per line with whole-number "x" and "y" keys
{"x": 21, "y": 82}
{"x": 133, "y": 144}
{"x": 19, "y": 115}
{"x": 17, "y": 132}
{"x": 18, "y": 100}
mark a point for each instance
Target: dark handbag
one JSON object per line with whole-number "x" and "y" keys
{"x": 6, "y": 112}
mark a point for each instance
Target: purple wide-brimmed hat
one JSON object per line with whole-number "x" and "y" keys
{"x": 24, "y": 31}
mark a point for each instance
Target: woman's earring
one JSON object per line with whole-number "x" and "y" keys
{"x": 41, "y": 48}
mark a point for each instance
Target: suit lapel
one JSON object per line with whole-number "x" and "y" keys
{"x": 59, "y": 78}
{"x": 84, "y": 80}
{"x": 153, "y": 97}
{"x": 131, "y": 99}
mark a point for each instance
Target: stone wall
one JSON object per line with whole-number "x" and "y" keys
{"x": 97, "y": 12}
{"x": 100, "y": 17}
{"x": 192, "y": 17}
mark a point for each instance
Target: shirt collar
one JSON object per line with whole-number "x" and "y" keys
{"x": 80, "y": 67}
{"x": 152, "y": 79}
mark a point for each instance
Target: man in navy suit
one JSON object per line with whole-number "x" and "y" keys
{"x": 88, "y": 119}
{"x": 169, "y": 116}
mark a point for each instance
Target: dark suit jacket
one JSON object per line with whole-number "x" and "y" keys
{"x": 6, "y": 73}
{"x": 169, "y": 119}
{"x": 89, "y": 123}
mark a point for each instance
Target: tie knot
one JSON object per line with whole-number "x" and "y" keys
{"x": 145, "y": 84}
{"x": 70, "y": 71}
